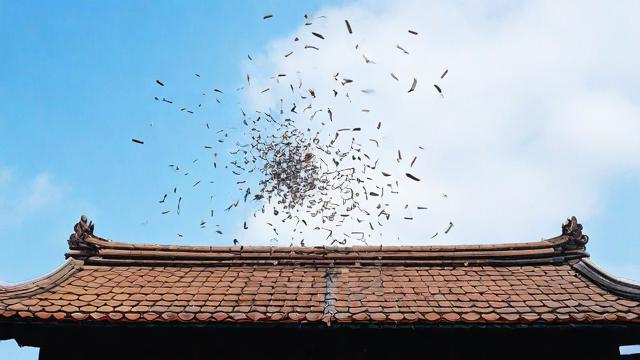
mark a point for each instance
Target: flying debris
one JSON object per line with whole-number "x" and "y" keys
{"x": 412, "y": 177}
{"x": 137, "y": 141}
{"x": 291, "y": 164}
{"x": 367, "y": 60}
{"x": 402, "y": 49}
{"x": 444, "y": 74}
{"x": 439, "y": 89}
{"x": 449, "y": 228}
{"x": 348, "y": 26}
{"x": 413, "y": 85}
{"x": 159, "y": 83}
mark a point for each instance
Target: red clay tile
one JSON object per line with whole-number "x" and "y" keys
{"x": 30, "y": 302}
{"x": 17, "y": 307}
{"x": 52, "y": 308}
{"x": 43, "y": 315}
{"x": 150, "y": 316}
{"x": 276, "y": 316}
{"x": 132, "y": 316}
{"x": 169, "y": 316}
{"x": 471, "y": 317}
{"x": 296, "y": 316}
{"x": 203, "y": 316}
{"x": 432, "y": 317}
{"x": 491, "y": 317}
{"x": 288, "y": 293}
{"x": 548, "y": 317}
{"x": 378, "y": 316}
{"x": 25, "y": 314}
{"x": 361, "y": 317}
{"x": 186, "y": 316}
{"x": 451, "y": 317}
{"x": 238, "y": 316}
{"x": 220, "y": 316}
{"x": 115, "y": 316}
{"x": 256, "y": 316}
{"x": 105, "y": 309}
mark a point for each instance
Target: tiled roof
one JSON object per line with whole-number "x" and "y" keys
{"x": 546, "y": 282}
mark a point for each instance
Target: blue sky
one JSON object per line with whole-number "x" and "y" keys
{"x": 77, "y": 83}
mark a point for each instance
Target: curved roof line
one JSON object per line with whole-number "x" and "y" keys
{"x": 610, "y": 282}
{"x": 41, "y": 283}
{"x": 96, "y": 250}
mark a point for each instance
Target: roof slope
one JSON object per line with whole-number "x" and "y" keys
{"x": 543, "y": 282}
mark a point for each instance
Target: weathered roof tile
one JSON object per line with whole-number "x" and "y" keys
{"x": 509, "y": 283}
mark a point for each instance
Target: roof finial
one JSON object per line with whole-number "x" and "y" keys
{"x": 81, "y": 231}
{"x": 573, "y": 230}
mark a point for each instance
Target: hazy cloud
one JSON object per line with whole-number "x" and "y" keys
{"x": 21, "y": 198}
{"x": 540, "y": 108}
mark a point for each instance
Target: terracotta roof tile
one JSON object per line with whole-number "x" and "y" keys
{"x": 150, "y": 316}
{"x": 345, "y": 285}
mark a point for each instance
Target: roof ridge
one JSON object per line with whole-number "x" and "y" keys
{"x": 95, "y": 250}
{"x": 570, "y": 245}
{"x": 103, "y": 243}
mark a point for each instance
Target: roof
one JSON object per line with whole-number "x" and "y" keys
{"x": 546, "y": 282}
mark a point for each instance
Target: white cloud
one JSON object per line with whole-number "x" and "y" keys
{"x": 41, "y": 193}
{"x": 22, "y": 198}
{"x": 540, "y": 107}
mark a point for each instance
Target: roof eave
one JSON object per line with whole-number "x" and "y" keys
{"x": 41, "y": 283}
{"x": 609, "y": 282}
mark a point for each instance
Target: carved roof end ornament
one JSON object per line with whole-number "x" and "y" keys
{"x": 82, "y": 230}
{"x": 573, "y": 230}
